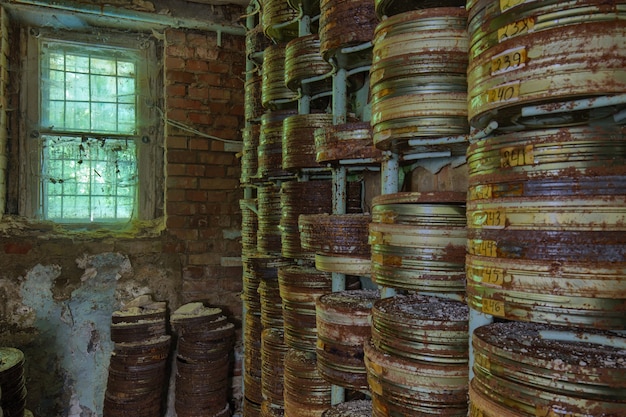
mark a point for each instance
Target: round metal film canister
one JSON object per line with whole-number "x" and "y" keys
{"x": 272, "y": 410}
{"x": 492, "y": 22}
{"x": 307, "y": 394}
{"x": 421, "y": 328}
{"x": 551, "y": 213}
{"x": 599, "y": 249}
{"x": 253, "y": 105}
{"x": 518, "y": 304}
{"x": 344, "y": 24}
{"x": 270, "y": 150}
{"x": 297, "y": 198}
{"x": 568, "y": 161}
{"x": 350, "y": 142}
{"x": 544, "y": 67}
{"x": 252, "y": 360}
{"x": 355, "y": 408}
{"x": 335, "y": 234}
{"x": 421, "y": 42}
{"x": 411, "y": 258}
{"x": 273, "y": 353}
{"x": 249, "y": 225}
{"x": 12, "y": 381}
{"x": 342, "y": 328}
{"x": 439, "y": 208}
{"x": 256, "y": 42}
{"x": 271, "y": 304}
{"x": 279, "y": 20}
{"x": 258, "y": 267}
{"x": 403, "y": 387}
{"x": 136, "y": 378}
{"x": 249, "y": 156}
{"x": 550, "y": 369}
{"x": 418, "y": 82}
{"x": 269, "y": 213}
{"x": 418, "y": 241}
{"x": 305, "y": 68}
{"x": 387, "y": 8}
{"x": 299, "y": 140}
{"x": 551, "y": 277}
{"x": 300, "y": 287}
{"x": 275, "y": 94}
{"x": 129, "y": 332}
{"x": 250, "y": 408}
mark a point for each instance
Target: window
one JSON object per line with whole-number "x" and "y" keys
{"x": 93, "y": 130}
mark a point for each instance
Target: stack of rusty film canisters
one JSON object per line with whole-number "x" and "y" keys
{"x": 205, "y": 340}
{"x": 12, "y": 383}
{"x": 138, "y": 369}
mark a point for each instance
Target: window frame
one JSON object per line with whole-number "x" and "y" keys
{"x": 148, "y": 137}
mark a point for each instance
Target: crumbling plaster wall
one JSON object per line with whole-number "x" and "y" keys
{"x": 56, "y": 300}
{"x": 58, "y": 290}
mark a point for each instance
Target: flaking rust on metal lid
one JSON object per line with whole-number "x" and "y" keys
{"x": 558, "y": 348}
{"x": 358, "y": 408}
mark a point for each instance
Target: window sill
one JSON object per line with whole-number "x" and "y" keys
{"x": 21, "y": 226}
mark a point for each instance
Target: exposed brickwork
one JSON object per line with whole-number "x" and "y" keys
{"x": 204, "y": 88}
{"x": 196, "y": 256}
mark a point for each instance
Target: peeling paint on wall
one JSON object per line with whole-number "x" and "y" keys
{"x": 78, "y": 329}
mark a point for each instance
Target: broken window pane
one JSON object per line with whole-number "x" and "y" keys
{"x": 89, "y": 179}
{"x": 88, "y": 107}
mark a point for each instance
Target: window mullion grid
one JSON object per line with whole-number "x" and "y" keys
{"x": 117, "y": 98}
{"x": 66, "y": 210}
{"x": 91, "y": 187}
{"x": 90, "y": 95}
{"x": 45, "y": 182}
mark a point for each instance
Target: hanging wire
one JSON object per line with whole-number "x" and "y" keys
{"x": 189, "y": 129}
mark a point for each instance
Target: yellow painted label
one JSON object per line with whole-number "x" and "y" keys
{"x": 386, "y": 260}
{"x": 489, "y": 219}
{"x": 377, "y": 368}
{"x": 509, "y": 4}
{"x": 375, "y": 238}
{"x": 502, "y": 93}
{"x": 493, "y": 307}
{"x": 377, "y": 258}
{"x": 320, "y": 344}
{"x": 474, "y": 411}
{"x": 387, "y": 217}
{"x": 494, "y": 276}
{"x": 375, "y": 386}
{"x": 483, "y": 361}
{"x": 516, "y": 156}
{"x": 508, "y": 61}
{"x": 483, "y": 247}
{"x": 480, "y": 192}
{"x": 392, "y": 260}
{"x": 516, "y": 28}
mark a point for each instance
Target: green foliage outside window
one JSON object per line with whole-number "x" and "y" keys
{"x": 88, "y": 115}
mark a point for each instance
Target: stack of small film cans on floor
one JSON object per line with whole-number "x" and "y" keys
{"x": 205, "y": 340}
{"x": 137, "y": 372}
{"x": 12, "y": 383}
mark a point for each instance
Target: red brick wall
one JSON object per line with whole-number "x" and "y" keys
{"x": 196, "y": 257}
{"x": 204, "y": 90}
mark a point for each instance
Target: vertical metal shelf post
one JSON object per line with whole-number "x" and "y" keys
{"x": 247, "y": 191}
{"x": 389, "y": 184}
{"x": 304, "y": 29}
{"x": 340, "y": 179}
